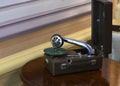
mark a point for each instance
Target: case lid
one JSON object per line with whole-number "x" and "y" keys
{"x": 102, "y": 25}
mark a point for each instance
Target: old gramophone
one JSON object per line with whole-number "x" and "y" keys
{"x": 61, "y": 61}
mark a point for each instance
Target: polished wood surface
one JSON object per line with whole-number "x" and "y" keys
{"x": 34, "y": 74}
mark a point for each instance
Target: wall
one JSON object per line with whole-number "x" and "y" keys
{"x": 118, "y": 11}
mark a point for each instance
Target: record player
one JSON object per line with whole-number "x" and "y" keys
{"x": 61, "y": 61}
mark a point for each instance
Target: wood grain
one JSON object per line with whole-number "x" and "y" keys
{"x": 35, "y": 74}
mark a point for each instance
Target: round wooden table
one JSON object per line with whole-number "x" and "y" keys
{"x": 35, "y": 74}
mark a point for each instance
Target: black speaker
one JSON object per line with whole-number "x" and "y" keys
{"x": 102, "y": 25}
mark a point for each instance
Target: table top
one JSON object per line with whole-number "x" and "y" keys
{"x": 34, "y": 74}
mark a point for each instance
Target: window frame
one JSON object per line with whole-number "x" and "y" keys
{"x": 46, "y": 16}
{"x": 7, "y": 3}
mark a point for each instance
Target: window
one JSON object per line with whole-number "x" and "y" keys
{"x": 16, "y": 19}
{"x": 6, "y": 3}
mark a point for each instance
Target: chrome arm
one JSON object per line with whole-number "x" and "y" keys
{"x": 80, "y": 43}
{"x": 57, "y": 42}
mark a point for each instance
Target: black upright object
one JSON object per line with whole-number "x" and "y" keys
{"x": 102, "y": 25}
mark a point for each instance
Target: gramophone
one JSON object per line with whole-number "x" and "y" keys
{"x": 61, "y": 61}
